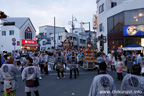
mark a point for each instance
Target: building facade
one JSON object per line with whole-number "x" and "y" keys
{"x": 121, "y": 21}
{"x": 23, "y": 31}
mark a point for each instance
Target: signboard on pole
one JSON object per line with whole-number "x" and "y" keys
{"x": 13, "y": 43}
{"x": 18, "y": 43}
{"x": 13, "y": 39}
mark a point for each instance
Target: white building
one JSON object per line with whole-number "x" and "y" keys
{"x": 114, "y": 17}
{"x": 23, "y": 31}
{"x": 47, "y": 30}
{"x": 82, "y": 37}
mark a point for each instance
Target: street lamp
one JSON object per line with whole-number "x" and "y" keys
{"x": 82, "y": 23}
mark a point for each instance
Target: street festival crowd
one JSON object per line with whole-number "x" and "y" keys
{"x": 31, "y": 64}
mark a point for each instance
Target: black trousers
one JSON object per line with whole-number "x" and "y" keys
{"x": 113, "y": 68}
{"x": 77, "y": 70}
{"x": 142, "y": 74}
{"x": 71, "y": 73}
{"x": 44, "y": 69}
{"x": 58, "y": 73}
{"x": 36, "y": 93}
{"x": 120, "y": 76}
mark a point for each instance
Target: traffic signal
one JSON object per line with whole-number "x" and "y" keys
{"x": 2, "y": 15}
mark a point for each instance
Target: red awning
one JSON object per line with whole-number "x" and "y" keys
{"x": 31, "y": 45}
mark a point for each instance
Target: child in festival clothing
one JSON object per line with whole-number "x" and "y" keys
{"x": 119, "y": 67}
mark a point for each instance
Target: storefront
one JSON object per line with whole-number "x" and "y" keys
{"x": 126, "y": 28}
{"x": 29, "y": 44}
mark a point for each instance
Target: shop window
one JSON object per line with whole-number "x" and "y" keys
{"x": 134, "y": 17}
{"x": 3, "y": 33}
{"x": 118, "y": 22}
{"x": 110, "y": 24}
{"x": 11, "y": 32}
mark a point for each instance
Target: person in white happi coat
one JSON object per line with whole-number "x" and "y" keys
{"x": 36, "y": 63}
{"x": 9, "y": 72}
{"x": 133, "y": 84}
{"x": 72, "y": 64}
{"x": 65, "y": 59}
{"x": 43, "y": 59}
{"x": 31, "y": 74}
{"x": 59, "y": 65}
{"x": 17, "y": 57}
{"x": 102, "y": 84}
{"x": 23, "y": 62}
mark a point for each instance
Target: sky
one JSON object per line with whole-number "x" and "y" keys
{"x": 42, "y": 12}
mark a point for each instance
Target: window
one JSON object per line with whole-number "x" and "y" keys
{"x": 52, "y": 38}
{"x": 118, "y": 22}
{"x": 44, "y": 43}
{"x": 76, "y": 31}
{"x": 134, "y": 17}
{"x": 3, "y": 33}
{"x": 28, "y": 35}
{"x": 113, "y": 4}
{"x": 50, "y": 33}
{"x": 101, "y": 8}
{"x": 100, "y": 27}
{"x": 110, "y": 24}
{"x": 60, "y": 37}
{"x": 11, "y": 32}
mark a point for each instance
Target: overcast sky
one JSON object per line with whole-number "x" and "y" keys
{"x": 41, "y": 12}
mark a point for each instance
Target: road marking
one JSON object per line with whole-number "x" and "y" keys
{"x": 67, "y": 68}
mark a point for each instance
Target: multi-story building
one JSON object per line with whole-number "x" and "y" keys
{"x": 23, "y": 31}
{"x": 121, "y": 21}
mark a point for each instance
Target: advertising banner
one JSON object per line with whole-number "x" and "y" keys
{"x": 136, "y": 30}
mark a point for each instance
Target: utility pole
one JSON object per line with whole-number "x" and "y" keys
{"x": 89, "y": 33}
{"x": 54, "y": 33}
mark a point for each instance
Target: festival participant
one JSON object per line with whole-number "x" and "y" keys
{"x": 36, "y": 62}
{"x": 141, "y": 63}
{"x": 17, "y": 58}
{"x": 31, "y": 74}
{"x": 72, "y": 64}
{"x": 42, "y": 60}
{"x": 59, "y": 65}
{"x": 133, "y": 84}
{"x": 103, "y": 84}
{"x": 46, "y": 65}
{"x": 65, "y": 59}
{"x": 77, "y": 64}
{"x": 9, "y": 72}
{"x": 119, "y": 67}
{"x": 113, "y": 63}
{"x": 23, "y": 62}
{"x": 99, "y": 60}
{"x": 129, "y": 60}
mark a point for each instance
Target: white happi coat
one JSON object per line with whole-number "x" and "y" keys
{"x": 30, "y": 73}
{"x": 23, "y": 62}
{"x": 102, "y": 83}
{"x": 133, "y": 83}
{"x": 72, "y": 62}
{"x": 43, "y": 59}
{"x": 16, "y": 57}
{"x": 35, "y": 60}
{"x": 9, "y": 72}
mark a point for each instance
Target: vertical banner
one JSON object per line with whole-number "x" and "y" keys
{"x": 95, "y": 24}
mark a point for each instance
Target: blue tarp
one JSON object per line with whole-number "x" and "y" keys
{"x": 133, "y": 45}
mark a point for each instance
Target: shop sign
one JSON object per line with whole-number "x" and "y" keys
{"x": 136, "y": 30}
{"x": 28, "y": 42}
